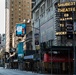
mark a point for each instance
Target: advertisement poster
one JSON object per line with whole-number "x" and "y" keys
{"x": 20, "y": 29}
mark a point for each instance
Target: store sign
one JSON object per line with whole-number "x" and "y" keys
{"x": 65, "y": 9}
{"x": 66, "y": 4}
{"x": 56, "y": 58}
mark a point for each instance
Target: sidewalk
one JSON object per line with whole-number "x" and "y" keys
{"x": 31, "y": 73}
{"x": 34, "y": 73}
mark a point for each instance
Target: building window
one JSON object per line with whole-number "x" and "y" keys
{"x": 12, "y": 19}
{"x": 28, "y": 2}
{"x": 28, "y": 6}
{"x": 49, "y": 3}
{"x": 37, "y": 14}
{"x": 27, "y": 14}
{"x": 19, "y": 19}
{"x": 12, "y": 2}
{"x": 19, "y": 2}
{"x": 12, "y": 14}
{"x": 19, "y": 6}
{"x": 12, "y": 9}
{"x": 12, "y": 23}
{"x": 43, "y": 8}
{"x": 19, "y": 9}
{"x": 28, "y": 10}
{"x": 12, "y": 5}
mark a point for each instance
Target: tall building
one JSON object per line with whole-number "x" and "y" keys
{"x": 3, "y": 40}
{"x": 16, "y": 12}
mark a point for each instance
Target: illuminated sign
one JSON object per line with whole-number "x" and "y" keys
{"x": 63, "y": 19}
{"x": 66, "y": 10}
{"x": 66, "y": 4}
{"x": 66, "y": 7}
{"x": 20, "y": 29}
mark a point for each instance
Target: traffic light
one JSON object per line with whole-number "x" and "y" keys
{"x": 69, "y": 30}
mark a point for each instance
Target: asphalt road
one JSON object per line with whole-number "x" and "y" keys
{"x": 14, "y": 72}
{"x": 4, "y": 71}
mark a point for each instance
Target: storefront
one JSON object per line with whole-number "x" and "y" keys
{"x": 58, "y": 62}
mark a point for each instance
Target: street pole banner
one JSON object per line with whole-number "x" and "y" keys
{"x": 20, "y": 50}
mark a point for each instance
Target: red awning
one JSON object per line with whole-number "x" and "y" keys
{"x": 56, "y": 58}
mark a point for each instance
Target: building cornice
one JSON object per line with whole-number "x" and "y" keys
{"x": 37, "y": 5}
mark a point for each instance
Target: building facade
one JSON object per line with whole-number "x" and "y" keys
{"x": 7, "y": 11}
{"x": 55, "y": 46}
{"x": 44, "y": 16}
{"x": 2, "y": 50}
{"x": 16, "y": 12}
{"x": 3, "y": 39}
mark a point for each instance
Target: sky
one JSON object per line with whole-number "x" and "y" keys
{"x": 2, "y": 16}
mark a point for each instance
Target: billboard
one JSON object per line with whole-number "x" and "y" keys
{"x": 20, "y": 29}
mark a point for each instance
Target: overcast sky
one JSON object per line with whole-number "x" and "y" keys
{"x": 2, "y": 16}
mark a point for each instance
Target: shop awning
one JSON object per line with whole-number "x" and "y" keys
{"x": 56, "y": 58}
{"x": 29, "y": 57}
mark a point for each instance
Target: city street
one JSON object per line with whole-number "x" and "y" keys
{"x": 4, "y": 71}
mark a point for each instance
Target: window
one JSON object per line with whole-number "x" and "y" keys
{"x": 37, "y": 14}
{"x": 49, "y": 3}
{"x": 27, "y": 14}
{"x": 19, "y": 9}
{"x": 19, "y": 19}
{"x": 12, "y": 2}
{"x": 28, "y": 10}
{"x": 12, "y": 19}
{"x": 19, "y": 6}
{"x": 43, "y": 8}
{"x": 12, "y": 23}
{"x": 19, "y": 2}
{"x": 12, "y": 9}
{"x": 12, "y": 14}
{"x": 28, "y": 6}
{"x": 42, "y": 14}
{"x": 12, "y": 5}
{"x": 28, "y": 2}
